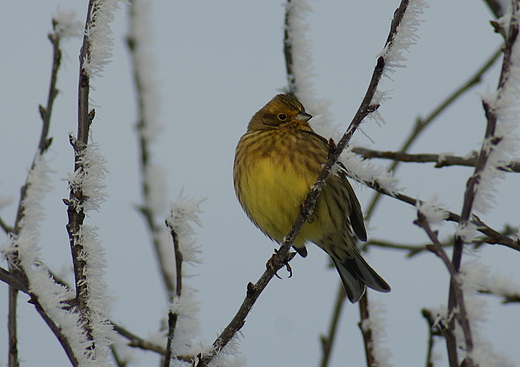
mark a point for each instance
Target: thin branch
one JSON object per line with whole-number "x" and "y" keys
{"x": 12, "y": 328}
{"x": 283, "y": 255}
{"x": 287, "y": 51}
{"x": 422, "y": 123}
{"x": 138, "y": 342}
{"x": 414, "y": 250}
{"x": 43, "y": 145}
{"x": 154, "y": 228}
{"x": 433, "y": 331}
{"x": 75, "y": 211}
{"x": 366, "y": 332}
{"x": 455, "y": 288}
{"x": 489, "y": 143}
{"x": 172, "y": 316}
{"x": 440, "y": 160}
{"x": 495, "y": 236}
{"x": 327, "y": 341}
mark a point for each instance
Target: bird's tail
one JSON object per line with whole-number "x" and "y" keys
{"x": 355, "y": 272}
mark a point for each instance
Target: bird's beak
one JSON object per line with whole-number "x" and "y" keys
{"x": 303, "y": 116}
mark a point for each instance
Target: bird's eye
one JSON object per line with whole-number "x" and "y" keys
{"x": 282, "y": 116}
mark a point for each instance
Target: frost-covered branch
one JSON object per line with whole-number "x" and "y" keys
{"x": 413, "y": 250}
{"x": 283, "y": 255}
{"x": 440, "y": 160}
{"x": 86, "y": 185}
{"x": 15, "y": 251}
{"x": 460, "y": 314}
{"x": 499, "y": 140}
{"x": 183, "y": 308}
{"x": 147, "y": 128}
{"x": 421, "y": 123}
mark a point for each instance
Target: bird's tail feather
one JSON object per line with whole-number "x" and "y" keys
{"x": 356, "y": 275}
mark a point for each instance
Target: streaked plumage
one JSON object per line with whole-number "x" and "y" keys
{"x": 277, "y": 160}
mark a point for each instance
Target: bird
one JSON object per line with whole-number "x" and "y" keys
{"x": 277, "y": 161}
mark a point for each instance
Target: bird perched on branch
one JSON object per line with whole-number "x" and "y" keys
{"x": 277, "y": 161}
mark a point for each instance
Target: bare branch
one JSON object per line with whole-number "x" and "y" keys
{"x": 440, "y": 160}
{"x": 327, "y": 341}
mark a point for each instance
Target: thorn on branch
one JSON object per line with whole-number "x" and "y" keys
{"x": 91, "y": 115}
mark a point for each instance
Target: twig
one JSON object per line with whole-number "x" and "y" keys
{"x": 138, "y": 342}
{"x": 412, "y": 250}
{"x": 490, "y": 141}
{"x": 433, "y": 331}
{"x": 366, "y": 332}
{"x": 497, "y": 237}
{"x": 154, "y": 228}
{"x": 43, "y": 145}
{"x": 172, "y": 316}
{"x": 283, "y": 255}
{"x": 327, "y": 341}
{"x": 76, "y": 214}
{"x": 287, "y": 51}
{"x": 422, "y": 123}
{"x": 440, "y": 160}
{"x": 455, "y": 288}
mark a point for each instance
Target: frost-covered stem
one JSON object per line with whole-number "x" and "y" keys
{"x": 498, "y": 238}
{"x": 327, "y": 341}
{"x": 440, "y": 160}
{"x": 490, "y": 141}
{"x": 75, "y": 211}
{"x": 58, "y": 332}
{"x": 287, "y": 51}
{"x": 154, "y": 228}
{"x": 421, "y": 123}
{"x": 460, "y": 314}
{"x": 44, "y": 143}
{"x": 172, "y": 316}
{"x": 283, "y": 255}
{"x": 366, "y": 332}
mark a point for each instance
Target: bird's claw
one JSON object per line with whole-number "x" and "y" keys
{"x": 270, "y": 264}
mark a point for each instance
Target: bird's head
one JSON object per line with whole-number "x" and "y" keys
{"x": 283, "y": 109}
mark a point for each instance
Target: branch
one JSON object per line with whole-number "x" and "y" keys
{"x": 495, "y": 236}
{"x": 75, "y": 211}
{"x": 455, "y": 289}
{"x": 441, "y": 160}
{"x": 433, "y": 331}
{"x": 327, "y": 341}
{"x": 142, "y": 127}
{"x": 421, "y": 123}
{"x": 366, "y": 332}
{"x": 172, "y": 316}
{"x": 287, "y": 51}
{"x": 488, "y": 144}
{"x": 283, "y": 255}
{"x": 20, "y": 281}
{"x": 418, "y": 249}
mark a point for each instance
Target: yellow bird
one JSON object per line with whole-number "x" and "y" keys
{"x": 277, "y": 161}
